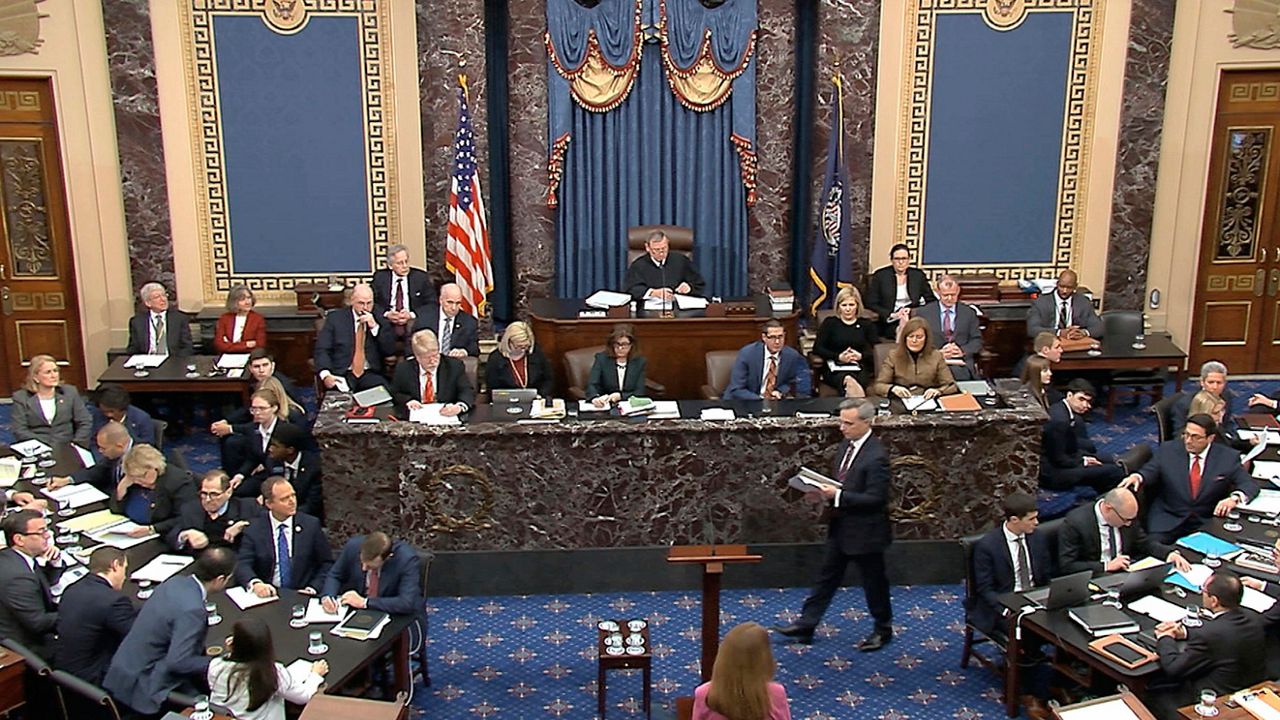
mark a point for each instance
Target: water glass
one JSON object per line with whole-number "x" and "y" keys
{"x": 1207, "y": 706}
{"x": 1193, "y": 616}
{"x": 315, "y": 643}
{"x": 65, "y": 509}
{"x": 1113, "y": 598}
{"x": 214, "y": 617}
{"x": 1139, "y": 341}
{"x": 298, "y": 616}
{"x": 201, "y": 709}
{"x": 144, "y": 589}
{"x": 1212, "y": 560}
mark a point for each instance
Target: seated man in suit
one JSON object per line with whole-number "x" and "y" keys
{"x": 113, "y": 402}
{"x": 291, "y": 458}
{"x": 216, "y": 519}
{"x": 1046, "y": 345}
{"x": 114, "y": 442}
{"x": 400, "y": 291}
{"x": 164, "y": 650}
{"x": 373, "y": 571}
{"x": 282, "y": 547}
{"x": 429, "y": 377}
{"x": 1270, "y": 617}
{"x": 1067, "y": 456}
{"x": 1213, "y": 379}
{"x": 160, "y": 330}
{"x": 1190, "y": 479}
{"x": 661, "y": 274}
{"x": 29, "y": 567}
{"x": 955, "y": 329}
{"x": 352, "y": 343}
{"x": 457, "y": 331}
{"x": 1009, "y": 558}
{"x": 1104, "y": 537}
{"x": 1227, "y": 653}
{"x": 94, "y": 616}
{"x": 1063, "y": 312}
{"x": 769, "y": 369}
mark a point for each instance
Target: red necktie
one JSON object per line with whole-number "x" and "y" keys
{"x": 1195, "y": 476}
{"x": 771, "y": 378}
{"x": 428, "y": 390}
{"x": 948, "y": 331}
{"x": 373, "y": 583}
{"x": 399, "y": 295}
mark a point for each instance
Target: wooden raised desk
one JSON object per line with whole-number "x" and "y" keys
{"x": 675, "y": 347}
{"x": 1119, "y": 354}
{"x": 172, "y": 377}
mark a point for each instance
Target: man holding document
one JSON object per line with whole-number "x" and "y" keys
{"x": 859, "y": 531}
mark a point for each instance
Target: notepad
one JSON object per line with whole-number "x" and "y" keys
{"x": 145, "y": 361}
{"x": 429, "y": 414}
{"x": 1157, "y": 608}
{"x": 605, "y": 299}
{"x": 162, "y": 568}
{"x": 31, "y": 448}
{"x": 245, "y": 599}
{"x": 91, "y": 522}
{"x": 77, "y": 495}
{"x": 228, "y": 361}
{"x": 316, "y": 614}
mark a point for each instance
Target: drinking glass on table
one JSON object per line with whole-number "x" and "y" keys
{"x": 214, "y": 617}
{"x": 65, "y": 509}
{"x": 144, "y": 589}
{"x": 1192, "y": 618}
{"x": 200, "y": 708}
{"x": 1207, "y": 707}
{"x": 1213, "y": 560}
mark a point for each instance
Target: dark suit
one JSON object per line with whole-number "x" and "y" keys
{"x": 1065, "y": 444}
{"x": 421, "y": 291}
{"x": 858, "y": 532}
{"x": 1043, "y": 315}
{"x": 1080, "y": 545}
{"x": 399, "y": 579}
{"x": 311, "y": 556}
{"x": 194, "y": 517}
{"x": 604, "y": 377}
{"x": 177, "y": 333}
{"x": 1182, "y": 407}
{"x": 173, "y": 489}
{"x": 164, "y": 649}
{"x": 93, "y": 620}
{"x": 451, "y": 385}
{"x": 994, "y": 575}
{"x": 644, "y": 274}
{"x": 335, "y": 348}
{"x": 103, "y": 474}
{"x": 1226, "y": 654}
{"x": 254, "y": 452}
{"x": 748, "y": 373}
{"x": 1172, "y": 512}
{"x": 141, "y": 427}
{"x": 882, "y": 292}
{"x": 465, "y": 334}
{"x": 71, "y": 421}
{"x": 965, "y": 333}
{"x": 306, "y": 481}
{"x": 27, "y": 612}
{"x": 498, "y": 374}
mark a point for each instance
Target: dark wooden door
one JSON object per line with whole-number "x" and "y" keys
{"x": 1236, "y": 316}
{"x": 39, "y": 308}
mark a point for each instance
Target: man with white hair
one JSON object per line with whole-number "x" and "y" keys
{"x": 1213, "y": 379}
{"x": 400, "y": 291}
{"x": 159, "y": 329}
{"x": 955, "y": 328}
{"x": 352, "y": 344}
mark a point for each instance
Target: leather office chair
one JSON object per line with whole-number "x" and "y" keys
{"x": 577, "y": 366}
{"x": 972, "y": 634}
{"x": 38, "y": 681}
{"x": 161, "y": 427}
{"x": 472, "y": 366}
{"x": 1163, "y": 410}
{"x": 679, "y": 238}
{"x": 425, "y": 557}
{"x": 83, "y": 699}
{"x": 719, "y": 370}
{"x": 1121, "y": 326}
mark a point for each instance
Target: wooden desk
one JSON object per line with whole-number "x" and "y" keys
{"x": 1228, "y": 712}
{"x": 1119, "y": 354}
{"x": 291, "y": 337}
{"x": 331, "y": 707}
{"x": 12, "y": 689}
{"x": 676, "y": 348}
{"x": 172, "y": 377}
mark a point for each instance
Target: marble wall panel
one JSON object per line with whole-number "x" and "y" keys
{"x": 532, "y": 222}
{"x": 1137, "y": 158}
{"x": 769, "y": 220}
{"x": 131, "y": 63}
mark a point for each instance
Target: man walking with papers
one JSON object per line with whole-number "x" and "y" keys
{"x": 1225, "y": 654}
{"x": 859, "y": 531}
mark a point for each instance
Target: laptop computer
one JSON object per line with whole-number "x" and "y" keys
{"x": 1065, "y": 591}
{"x": 518, "y": 395}
{"x": 1139, "y": 582}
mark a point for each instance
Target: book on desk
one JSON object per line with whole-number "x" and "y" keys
{"x": 1102, "y": 620}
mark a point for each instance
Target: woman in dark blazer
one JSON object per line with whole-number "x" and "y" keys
{"x": 252, "y": 331}
{"x": 518, "y": 363}
{"x": 618, "y": 359}
{"x": 848, "y": 340}
{"x": 897, "y": 288}
{"x": 151, "y": 492}
{"x": 45, "y": 409}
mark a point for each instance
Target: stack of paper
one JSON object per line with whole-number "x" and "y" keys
{"x": 1266, "y": 503}
{"x": 91, "y": 522}
{"x": 316, "y": 614}
{"x": 228, "y": 361}
{"x": 145, "y": 361}
{"x": 1192, "y": 579}
{"x": 689, "y": 302}
{"x": 919, "y": 402}
{"x": 429, "y": 414}
{"x": 9, "y": 469}
{"x": 715, "y": 413}
{"x": 605, "y": 299}
{"x": 1257, "y": 601}
{"x": 806, "y": 480}
{"x": 77, "y": 494}
{"x": 69, "y": 576}
{"x": 543, "y": 409}
{"x": 1157, "y": 608}
{"x": 665, "y": 410}
{"x": 162, "y": 568}
{"x": 837, "y": 366}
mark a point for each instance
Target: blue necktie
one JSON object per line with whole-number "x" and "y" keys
{"x": 282, "y": 557}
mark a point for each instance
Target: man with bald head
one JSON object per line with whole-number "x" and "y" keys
{"x": 955, "y": 328}
{"x": 114, "y": 442}
{"x": 455, "y": 330}
{"x": 352, "y": 344}
{"x": 1106, "y": 537}
{"x": 1064, "y": 312}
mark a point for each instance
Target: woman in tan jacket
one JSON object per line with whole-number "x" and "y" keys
{"x": 915, "y": 367}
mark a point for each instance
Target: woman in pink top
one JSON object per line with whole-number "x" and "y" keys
{"x": 742, "y": 686}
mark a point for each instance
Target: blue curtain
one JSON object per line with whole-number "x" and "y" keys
{"x": 651, "y": 160}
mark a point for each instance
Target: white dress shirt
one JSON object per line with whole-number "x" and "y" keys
{"x": 237, "y": 330}
{"x": 846, "y": 462}
{"x": 1105, "y": 535}
{"x": 1012, "y": 545}
{"x": 275, "y": 540}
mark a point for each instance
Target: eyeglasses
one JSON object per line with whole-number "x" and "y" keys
{"x": 42, "y": 531}
{"x": 900, "y": 258}
{"x": 1193, "y": 436}
{"x": 779, "y": 336}
{"x": 259, "y": 408}
{"x": 211, "y": 495}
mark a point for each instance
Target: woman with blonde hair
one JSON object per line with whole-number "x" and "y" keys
{"x": 1207, "y": 403}
{"x": 915, "y": 367}
{"x": 847, "y": 339}
{"x": 742, "y": 686}
{"x": 287, "y": 408}
{"x": 48, "y": 410}
{"x": 518, "y": 363}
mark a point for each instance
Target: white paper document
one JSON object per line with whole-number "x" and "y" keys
{"x": 145, "y": 361}
{"x": 1197, "y": 575}
{"x": 317, "y": 615}
{"x": 807, "y": 480}
{"x": 586, "y": 406}
{"x": 1254, "y": 452}
{"x": 227, "y": 361}
{"x": 1257, "y": 601}
{"x": 1157, "y": 608}
{"x": 657, "y": 303}
{"x": 86, "y": 457}
{"x": 117, "y": 539}
{"x": 836, "y": 366}
{"x": 919, "y": 402}
{"x": 77, "y": 494}
{"x": 245, "y": 599}
{"x": 1266, "y": 470}
{"x": 1266, "y": 503}
{"x": 1114, "y": 709}
{"x": 30, "y": 448}
{"x": 429, "y": 414}
{"x": 689, "y": 302}
{"x": 162, "y": 568}
{"x": 665, "y": 410}
{"x": 715, "y": 413}
{"x": 69, "y": 576}
{"x": 10, "y": 468}
{"x": 605, "y": 299}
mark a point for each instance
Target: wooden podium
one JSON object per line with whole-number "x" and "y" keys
{"x": 713, "y": 559}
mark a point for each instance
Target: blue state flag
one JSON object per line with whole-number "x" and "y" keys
{"x": 831, "y": 264}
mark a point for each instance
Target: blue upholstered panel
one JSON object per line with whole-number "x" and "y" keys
{"x": 293, "y": 138}
{"x": 995, "y": 139}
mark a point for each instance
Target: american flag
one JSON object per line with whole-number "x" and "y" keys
{"x": 467, "y": 251}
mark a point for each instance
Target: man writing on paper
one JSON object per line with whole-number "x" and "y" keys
{"x": 659, "y": 274}
{"x": 859, "y": 531}
{"x": 430, "y": 378}
{"x": 1105, "y": 537}
{"x": 374, "y": 571}
{"x": 955, "y": 329}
